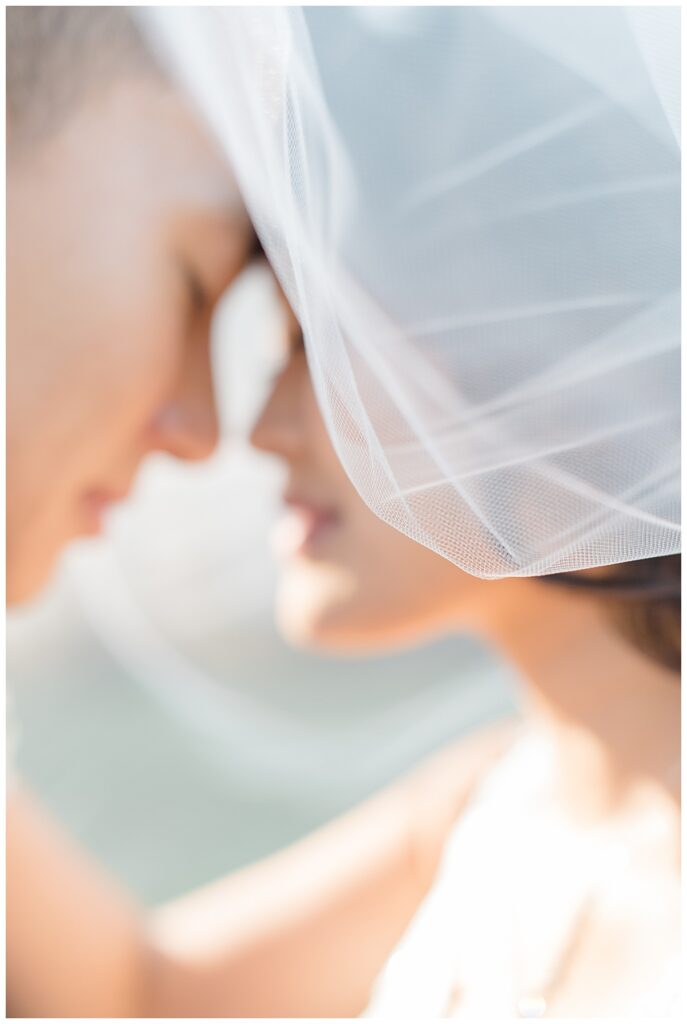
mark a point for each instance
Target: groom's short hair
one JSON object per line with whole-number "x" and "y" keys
{"x": 56, "y": 56}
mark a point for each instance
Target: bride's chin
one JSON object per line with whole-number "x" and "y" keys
{"x": 328, "y": 612}
{"x": 317, "y": 607}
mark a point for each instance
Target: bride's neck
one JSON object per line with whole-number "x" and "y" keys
{"x": 611, "y": 713}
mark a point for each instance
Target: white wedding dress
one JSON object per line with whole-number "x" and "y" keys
{"x": 508, "y": 895}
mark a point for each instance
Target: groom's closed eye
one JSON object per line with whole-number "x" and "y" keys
{"x": 296, "y": 341}
{"x": 197, "y": 293}
{"x": 256, "y": 251}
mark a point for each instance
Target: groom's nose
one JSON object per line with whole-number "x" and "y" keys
{"x": 188, "y": 426}
{"x": 188, "y": 433}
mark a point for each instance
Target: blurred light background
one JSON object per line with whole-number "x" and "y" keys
{"x": 154, "y": 707}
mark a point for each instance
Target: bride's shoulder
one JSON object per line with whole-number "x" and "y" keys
{"x": 442, "y": 787}
{"x": 466, "y": 760}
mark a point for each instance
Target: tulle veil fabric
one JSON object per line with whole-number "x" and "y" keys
{"x": 474, "y": 212}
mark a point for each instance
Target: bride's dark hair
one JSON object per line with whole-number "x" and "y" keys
{"x": 643, "y": 599}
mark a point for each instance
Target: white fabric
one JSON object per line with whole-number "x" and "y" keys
{"x": 504, "y": 903}
{"x": 475, "y": 215}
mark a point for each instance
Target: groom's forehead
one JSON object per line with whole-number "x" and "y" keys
{"x": 57, "y": 56}
{"x": 91, "y": 65}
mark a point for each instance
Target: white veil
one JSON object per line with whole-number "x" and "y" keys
{"x": 475, "y": 215}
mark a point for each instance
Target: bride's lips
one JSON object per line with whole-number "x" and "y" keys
{"x": 303, "y": 526}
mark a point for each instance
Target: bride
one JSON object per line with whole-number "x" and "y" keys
{"x": 559, "y": 887}
{"x": 473, "y": 215}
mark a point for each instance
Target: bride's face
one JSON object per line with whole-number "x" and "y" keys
{"x": 123, "y": 230}
{"x": 347, "y": 580}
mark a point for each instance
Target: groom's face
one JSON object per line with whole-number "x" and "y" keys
{"x": 124, "y": 228}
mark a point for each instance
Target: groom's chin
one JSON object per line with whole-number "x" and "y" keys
{"x": 29, "y": 576}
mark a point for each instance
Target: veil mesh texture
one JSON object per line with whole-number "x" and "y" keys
{"x": 474, "y": 213}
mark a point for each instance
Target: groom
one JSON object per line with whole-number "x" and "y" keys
{"x": 124, "y": 228}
